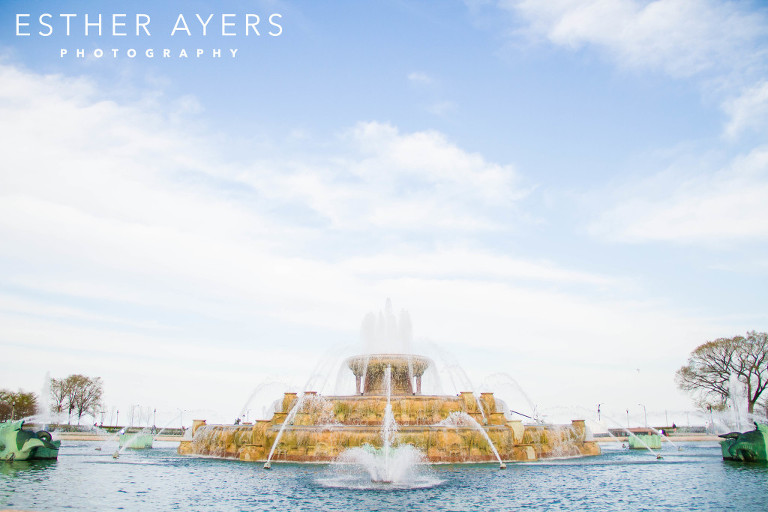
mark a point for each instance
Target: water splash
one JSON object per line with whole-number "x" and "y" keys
{"x": 665, "y": 438}
{"x": 389, "y": 427}
{"x": 318, "y": 380}
{"x": 365, "y": 468}
{"x": 632, "y": 434}
{"x": 388, "y": 467}
{"x": 506, "y": 388}
{"x": 736, "y": 401}
{"x": 462, "y": 419}
{"x": 288, "y": 421}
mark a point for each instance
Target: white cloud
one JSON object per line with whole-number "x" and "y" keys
{"x": 720, "y": 44}
{"x": 728, "y": 205}
{"x": 420, "y": 78}
{"x": 115, "y": 202}
{"x": 428, "y": 160}
{"x": 476, "y": 265}
{"x": 680, "y": 37}
{"x": 432, "y": 97}
{"x": 385, "y": 179}
{"x": 748, "y": 111}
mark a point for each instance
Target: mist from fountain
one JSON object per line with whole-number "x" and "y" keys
{"x": 734, "y": 416}
{"x": 606, "y": 429}
{"x": 508, "y": 389}
{"x": 389, "y": 467}
{"x": 727, "y": 421}
{"x": 736, "y": 401}
{"x": 385, "y": 333}
{"x": 43, "y": 408}
{"x": 314, "y": 379}
{"x": 332, "y": 358}
{"x": 388, "y": 429}
{"x": 456, "y": 371}
{"x": 255, "y": 402}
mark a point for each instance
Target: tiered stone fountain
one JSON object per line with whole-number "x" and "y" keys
{"x": 445, "y": 428}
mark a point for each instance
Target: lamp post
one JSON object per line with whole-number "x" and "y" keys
{"x": 117, "y": 418}
{"x": 598, "y": 412}
{"x": 627, "y": 418}
{"x": 154, "y": 418}
{"x": 645, "y": 414}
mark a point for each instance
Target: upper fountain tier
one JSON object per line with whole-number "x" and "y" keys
{"x": 370, "y": 373}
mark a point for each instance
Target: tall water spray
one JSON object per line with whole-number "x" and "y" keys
{"x": 386, "y": 333}
{"x": 737, "y": 399}
{"x": 392, "y": 467}
{"x": 288, "y": 421}
{"x": 388, "y": 428}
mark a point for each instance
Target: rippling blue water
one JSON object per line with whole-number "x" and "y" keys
{"x": 86, "y": 479}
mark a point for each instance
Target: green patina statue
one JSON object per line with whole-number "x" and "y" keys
{"x": 19, "y": 444}
{"x": 746, "y": 446}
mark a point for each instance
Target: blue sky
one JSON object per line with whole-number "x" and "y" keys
{"x": 569, "y": 193}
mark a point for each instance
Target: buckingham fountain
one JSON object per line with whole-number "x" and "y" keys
{"x": 387, "y": 417}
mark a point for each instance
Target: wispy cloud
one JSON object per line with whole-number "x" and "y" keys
{"x": 679, "y": 37}
{"x": 112, "y": 201}
{"x": 720, "y": 44}
{"x": 728, "y": 205}
{"x": 433, "y": 97}
{"x": 748, "y": 111}
{"x": 382, "y": 178}
{"x": 442, "y": 108}
{"x": 420, "y": 78}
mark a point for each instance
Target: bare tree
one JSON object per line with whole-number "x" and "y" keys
{"x": 71, "y": 384}
{"x": 752, "y": 369}
{"x": 88, "y": 397}
{"x": 58, "y": 396}
{"x": 711, "y": 365}
{"x": 77, "y": 394}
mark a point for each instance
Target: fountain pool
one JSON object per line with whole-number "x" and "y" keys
{"x": 86, "y": 480}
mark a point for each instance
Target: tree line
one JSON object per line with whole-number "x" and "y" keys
{"x": 77, "y": 394}
{"x": 17, "y": 404}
